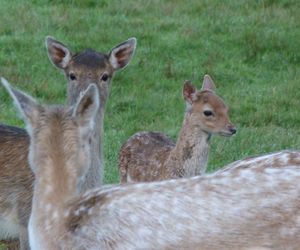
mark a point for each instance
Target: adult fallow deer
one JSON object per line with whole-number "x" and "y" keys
{"x": 16, "y": 179}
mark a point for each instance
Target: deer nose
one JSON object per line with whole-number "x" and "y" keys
{"x": 232, "y": 129}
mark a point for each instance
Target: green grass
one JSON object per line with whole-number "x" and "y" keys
{"x": 250, "y": 48}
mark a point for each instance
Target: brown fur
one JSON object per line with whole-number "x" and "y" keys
{"x": 59, "y": 146}
{"x": 15, "y": 176}
{"x": 150, "y": 156}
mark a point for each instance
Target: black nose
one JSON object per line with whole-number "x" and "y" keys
{"x": 232, "y": 130}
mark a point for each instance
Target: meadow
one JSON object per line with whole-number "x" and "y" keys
{"x": 250, "y": 48}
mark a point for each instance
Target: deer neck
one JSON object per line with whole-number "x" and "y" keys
{"x": 190, "y": 155}
{"x": 52, "y": 188}
{"x": 94, "y": 176}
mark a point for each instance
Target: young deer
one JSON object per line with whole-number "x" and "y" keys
{"x": 16, "y": 178}
{"x": 150, "y": 156}
{"x": 254, "y": 207}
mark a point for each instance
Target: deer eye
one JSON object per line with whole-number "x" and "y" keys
{"x": 104, "y": 77}
{"x": 208, "y": 113}
{"x": 72, "y": 76}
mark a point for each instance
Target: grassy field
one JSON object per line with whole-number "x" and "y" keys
{"x": 250, "y": 48}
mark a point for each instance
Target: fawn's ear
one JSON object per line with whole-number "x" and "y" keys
{"x": 208, "y": 84}
{"x": 189, "y": 92}
{"x": 58, "y": 53}
{"x": 26, "y": 104}
{"x": 87, "y": 106}
{"x": 120, "y": 56}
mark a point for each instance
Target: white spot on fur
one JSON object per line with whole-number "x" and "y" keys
{"x": 134, "y": 219}
{"x": 48, "y": 189}
{"x": 67, "y": 213}
{"x": 90, "y": 211}
{"x": 48, "y": 208}
{"x": 55, "y": 215}
{"x": 272, "y": 171}
{"x": 144, "y": 232}
{"x": 247, "y": 174}
{"x": 288, "y": 232}
{"x": 77, "y": 212}
{"x": 129, "y": 178}
{"x": 48, "y": 224}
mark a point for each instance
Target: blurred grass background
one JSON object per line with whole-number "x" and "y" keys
{"x": 250, "y": 48}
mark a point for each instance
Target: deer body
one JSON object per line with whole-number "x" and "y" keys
{"x": 60, "y": 145}
{"x": 15, "y": 185}
{"x": 150, "y": 156}
{"x": 16, "y": 178}
{"x": 243, "y": 207}
{"x": 279, "y": 159}
{"x": 247, "y": 208}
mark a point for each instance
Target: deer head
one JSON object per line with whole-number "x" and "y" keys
{"x": 60, "y": 136}
{"x": 89, "y": 66}
{"x": 207, "y": 110}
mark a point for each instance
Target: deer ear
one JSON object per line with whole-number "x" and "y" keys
{"x": 189, "y": 92}
{"x": 26, "y": 104}
{"x": 87, "y": 106}
{"x": 208, "y": 84}
{"x": 58, "y": 53}
{"x": 120, "y": 56}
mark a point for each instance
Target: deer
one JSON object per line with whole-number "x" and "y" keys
{"x": 250, "y": 207}
{"x": 16, "y": 178}
{"x": 152, "y": 156}
{"x": 279, "y": 159}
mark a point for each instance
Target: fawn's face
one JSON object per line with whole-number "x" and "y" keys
{"x": 89, "y": 66}
{"x": 60, "y": 137}
{"x": 210, "y": 113}
{"x": 207, "y": 110}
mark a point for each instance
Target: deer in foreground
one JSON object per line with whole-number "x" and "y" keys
{"x": 16, "y": 178}
{"x": 151, "y": 156}
{"x": 278, "y": 159}
{"x": 255, "y": 207}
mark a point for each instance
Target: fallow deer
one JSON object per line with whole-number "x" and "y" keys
{"x": 255, "y": 207}
{"x": 150, "y": 156}
{"x": 278, "y": 159}
{"x": 16, "y": 179}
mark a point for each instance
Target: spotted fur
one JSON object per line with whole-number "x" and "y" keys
{"x": 254, "y": 207}
{"x": 276, "y": 159}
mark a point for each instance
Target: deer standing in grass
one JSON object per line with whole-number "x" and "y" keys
{"x": 150, "y": 156}
{"x": 255, "y": 207}
{"x": 16, "y": 179}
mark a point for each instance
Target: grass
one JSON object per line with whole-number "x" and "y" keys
{"x": 250, "y": 48}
